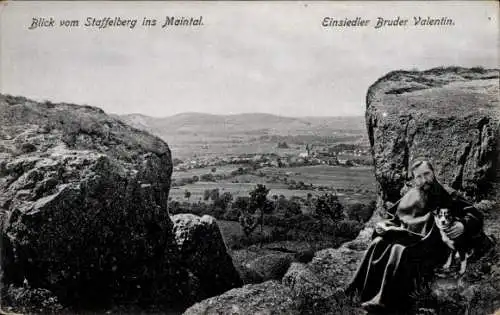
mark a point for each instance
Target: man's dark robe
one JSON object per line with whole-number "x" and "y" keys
{"x": 396, "y": 261}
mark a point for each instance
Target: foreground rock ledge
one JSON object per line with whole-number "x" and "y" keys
{"x": 270, "y": 297}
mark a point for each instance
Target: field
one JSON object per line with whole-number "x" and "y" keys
{"x": 334, "y": 176}
{"x": 359, "y": 182}
{"x": 228, "y": 148}
{"x": 219, "y": 170}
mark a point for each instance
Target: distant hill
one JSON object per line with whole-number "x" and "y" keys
{"x": 244, "y": 124}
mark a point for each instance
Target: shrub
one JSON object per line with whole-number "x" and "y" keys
{"x": 222, "y": 201}
{"x": 329, "y": 206}
{"x": 206, "y": 194}
{"x": 207, "y": 177}
{"x": 359, "y": 211}
{"x": 348, "y": 228}
{"x": 176, "y": 161}
{"x": 241, "y": 203}
{"x": 28, "y": 147}
{"x": 248, "y": 223}
{"x": 283, "y": 145}
{"x": 231, "y": 214}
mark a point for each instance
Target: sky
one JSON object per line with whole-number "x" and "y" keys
{"x": 247, "y": 57}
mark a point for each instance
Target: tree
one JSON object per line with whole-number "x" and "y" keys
{"x": 187, "y": 194}
{"x": 247, "y": 222}
{"x": 329, "y": 206}
{"x": 214, "y": 194}
{"x": 275, "y": 198}
{"x": 223, "y": 201}
{"x": 206, "y": 194}
{"x": 283, "y": 145}
{"x": 241, "y": 203}
{"x": 258, "y": 200}
{"x": 309, "y": 202}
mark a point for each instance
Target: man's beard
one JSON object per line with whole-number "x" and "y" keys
{"x": 430, "y": 188}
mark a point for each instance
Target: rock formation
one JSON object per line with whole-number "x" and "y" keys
{"x": 83, "y": 210}
{"x": 449, "y": 115}
{"x": 270, "y": 297}
{"x": 204, "y": 254}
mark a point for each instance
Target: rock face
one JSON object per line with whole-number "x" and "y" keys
{"x": 83, "y": 200}
{"x": 271, "y": 266}
{"x": 82, "y": 197}
{"x": 448, "y": 115}
{"x": 204, "y": 254}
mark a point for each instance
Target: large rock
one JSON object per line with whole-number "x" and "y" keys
{"x": 82, "y": 197}
{"x": 449, "y": 115}
{"x": 83, "y": 209}
{"x": 265, "y": 298}
{"x": 271, "y": 266}
{"x": 320, "y": 285}
{"x": 204, "y": 254}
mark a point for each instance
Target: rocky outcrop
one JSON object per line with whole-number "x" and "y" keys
{"x": 448, "y": 115}
{"x": 313, "y": 288}
{"x": 320, "y": 285}
{"x": 271, "y": 266}
{"x": 83, "y": 205}
{"x": 204, "y": 254}
{"x": 270, "y": 297}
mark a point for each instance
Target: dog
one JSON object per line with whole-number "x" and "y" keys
{"x": 444, "y": 218}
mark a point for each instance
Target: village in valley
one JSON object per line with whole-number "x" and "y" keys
{"x": 342, "y": 154}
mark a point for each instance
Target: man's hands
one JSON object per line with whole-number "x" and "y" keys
{"x": 383, "y": 227}
{"x": 455, "y": 230}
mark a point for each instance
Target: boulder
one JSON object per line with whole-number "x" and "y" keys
{"x": 83, "y": 211}
{"x": 204, "y": 254}
{"x": 320, "y": 285}
{"x": 83, "y": 203}
{"x": 448, "y": 115}
{"x": 29, "y": 301}
{"x": 270, "y": 297}
{"x": 271, "y": 266}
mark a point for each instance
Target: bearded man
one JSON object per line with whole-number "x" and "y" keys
{"x": 409, "y": 245}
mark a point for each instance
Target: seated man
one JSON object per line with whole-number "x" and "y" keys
{"x": 410, "y": 244}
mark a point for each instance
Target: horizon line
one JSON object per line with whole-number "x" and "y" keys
{"x": 43, "y": 100}
{"x": 238, "y": 114}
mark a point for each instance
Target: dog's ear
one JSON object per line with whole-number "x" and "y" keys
{"x": 435, "y": 211}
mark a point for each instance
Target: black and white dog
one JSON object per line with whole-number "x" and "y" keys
{"x": 444, "y": 218}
